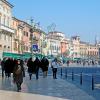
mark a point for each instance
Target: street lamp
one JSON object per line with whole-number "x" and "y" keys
{"x": 41, "y": 46}
{"x": 51, "y": 28}
{"x": 31, "y": 36}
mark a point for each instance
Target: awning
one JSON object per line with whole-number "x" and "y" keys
{"x": 12, "y": 55}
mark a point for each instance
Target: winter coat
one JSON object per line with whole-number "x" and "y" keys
{"x": 36, "y": 64}
{"x": 18, "y": 78}
{"x": 8, "y": 66}
{"x": 44, "y": 64}
{"x": 30, "y": 66}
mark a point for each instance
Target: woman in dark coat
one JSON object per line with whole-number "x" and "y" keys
{"x": 30, "y": 65}
{"x": 18, "y": 75}
{"x": 44, "y": 66}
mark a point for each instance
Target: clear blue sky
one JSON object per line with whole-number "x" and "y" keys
{"x": 73, "y": 17}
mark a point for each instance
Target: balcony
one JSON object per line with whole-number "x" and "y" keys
{"x": 6, "y": 28}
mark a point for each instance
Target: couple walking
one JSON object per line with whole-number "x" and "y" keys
{"x": 33, "y": 66}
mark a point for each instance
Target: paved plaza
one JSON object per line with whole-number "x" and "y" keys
{"x": 42, "y": 89}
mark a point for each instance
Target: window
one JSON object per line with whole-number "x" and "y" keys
{"x": 50, "y": 47}
{"x": 4, "y": 8}
{"x": 27, "y": 34}
{"x": 0, "y": 19}
{"x": 8, "y": 38}
{"x": 5, "y": 37}
{"x": 24, "y": 33}
{"x": 4, "y": 20}
{"x": 26, "y": 48}
{"x": 55, "y": 48}
{"x": 8, "y": 22}
{"x": 15, "y": 46}
{"x": 7, "y": 10}
{"x": 59, "y": 48}
{"x": 0, "y": 36}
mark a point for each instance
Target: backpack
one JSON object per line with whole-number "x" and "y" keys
{"x": 18, "y": 70}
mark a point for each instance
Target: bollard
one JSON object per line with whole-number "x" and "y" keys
{"x": 61, "y": 72}
{"x": 81, "y": 79}
{"x": 66, "y": 73}
{"x": 72, "y": 75}
{"x": 92, "y": 82}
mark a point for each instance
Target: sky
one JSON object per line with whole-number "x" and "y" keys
{"x": 72, "y": 17}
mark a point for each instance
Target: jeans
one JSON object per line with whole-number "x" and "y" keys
{"x": 54, "y": 73}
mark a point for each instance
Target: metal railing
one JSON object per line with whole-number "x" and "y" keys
{"x": 86, "y": 79}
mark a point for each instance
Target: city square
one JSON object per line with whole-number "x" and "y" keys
{"x": 46, "y": 60}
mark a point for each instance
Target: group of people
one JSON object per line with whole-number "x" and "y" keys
{"x": 9, "y": 65}
{"x": 16, "y": 67}
{"x": 33, "y": 66}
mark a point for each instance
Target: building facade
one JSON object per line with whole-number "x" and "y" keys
{"x": 64, "y": 48}
{"x": 6, "y": 29}
{"x": 84, "y": 50}
{"x": 54, "y": 40}
{"x": 75, "y": 44}
{"x": 93, "y": 51}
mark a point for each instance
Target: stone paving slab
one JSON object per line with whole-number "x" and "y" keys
{"x": 5, "y": 95}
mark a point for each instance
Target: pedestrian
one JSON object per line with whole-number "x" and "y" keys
{"x": 44, "y": 66}
{"x": 22, "y": 64}
{"x": 68, "y": 63}
{"x": 30, "y": 66}
{"x": 2, "y": 66}
{"x": 8, "y": 67}
{"x": 36, "y": 67}
{"x": 54, "y": 68}
{"x": 18, "y": 75}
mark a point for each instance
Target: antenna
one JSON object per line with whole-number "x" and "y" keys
{"x": 96, "y": 40}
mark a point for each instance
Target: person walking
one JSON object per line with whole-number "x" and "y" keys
{"x": 30, "y": 66}
{"x": 68, "y": 63}
{"x": 18, "y": 75}
{"x": 36, "y": 67}
{"x": 44, "y": 66}
{"x": 2, "y": 66}
{"x": 54, "y": 68}
{"x": 22, "y": 64}
{"x": 8, "y": 67}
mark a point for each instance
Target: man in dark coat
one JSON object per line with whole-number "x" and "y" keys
{"x": 2, "y": 66}
{"x": 8, "y": 67}
{"x": 30, "y": 66}
{"x": 22, "y": 64}
{"x": 36, "y": 67}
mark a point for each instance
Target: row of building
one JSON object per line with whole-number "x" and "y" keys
{"x": 17, "y": 36}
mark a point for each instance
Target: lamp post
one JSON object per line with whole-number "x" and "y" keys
{"x": 51, "y": 28}
{"x": 32, "y": 29}
{"x": 41, "y": 46}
